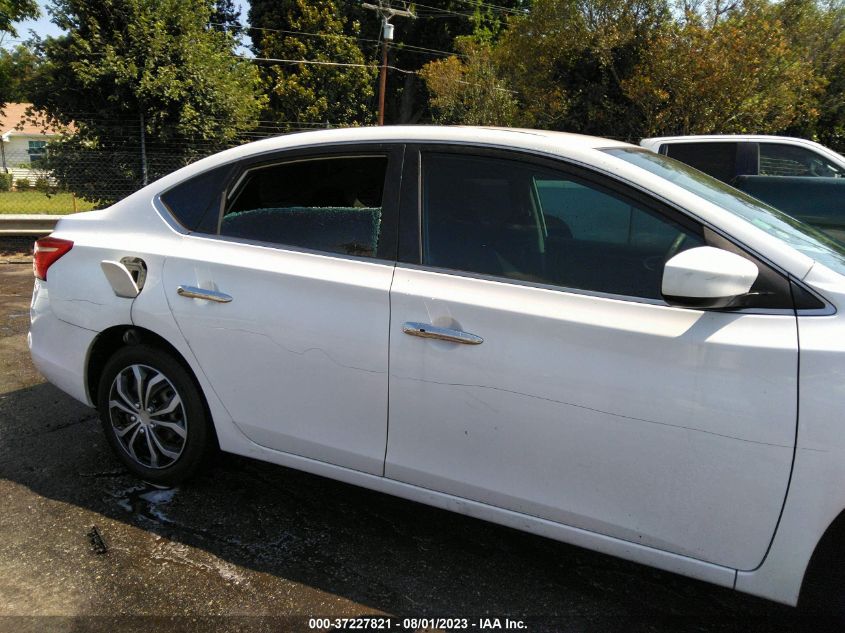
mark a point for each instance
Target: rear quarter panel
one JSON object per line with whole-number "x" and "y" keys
{"x": 80, "y": 294}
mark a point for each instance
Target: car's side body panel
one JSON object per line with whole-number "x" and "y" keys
{"x": 59, "y": 349}
{"x": 667, "y": 427}
{"x": 77, "y": 302}
{"x": 92, "y": 305}
{"x": 299, "y": 356}
{"x": 151, "y": 311}
{"x": 627, "y": 550}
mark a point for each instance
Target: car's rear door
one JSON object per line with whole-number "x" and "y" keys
{"x": 286, "y": 308}
{"x": 567, "y": 389}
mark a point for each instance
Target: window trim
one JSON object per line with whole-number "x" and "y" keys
{"x": 275, "y": 247}
{"x": 538, "y": 285}
{"x": 393, "y": 152}
{"x": 411, "y": 220}
{"x": 232, "y": 189}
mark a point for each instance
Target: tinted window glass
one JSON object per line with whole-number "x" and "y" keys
{"x": 326, "y": 204}
{"x": 798, "y": 235}
{"x": 716, "y": 159}
{"x": 195, "y": 203}
{"x": 777, "y": 159}
{"x": 515, "y": 220}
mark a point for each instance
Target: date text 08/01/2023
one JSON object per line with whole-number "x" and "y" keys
{"x": 415, "y": 624}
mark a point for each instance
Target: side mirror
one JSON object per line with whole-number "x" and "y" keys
{"x": 707, "y": 277}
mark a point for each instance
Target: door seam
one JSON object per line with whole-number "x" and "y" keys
{"x": 387, "y": 400}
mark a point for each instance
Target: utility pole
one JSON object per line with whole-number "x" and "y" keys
{"x": 386, "y": 12}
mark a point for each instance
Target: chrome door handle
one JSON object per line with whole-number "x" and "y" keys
{"x": 192, "y": 292}
{"x": 425, "y": 330}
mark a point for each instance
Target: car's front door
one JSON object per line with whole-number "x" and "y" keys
{"x": 569, "y": 389}
{"x": 305, "y": 251}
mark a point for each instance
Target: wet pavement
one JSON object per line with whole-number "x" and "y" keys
{"x": 251, "y": 546}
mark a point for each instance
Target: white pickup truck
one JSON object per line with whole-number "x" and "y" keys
{"x": 801, "y": 178}
{"x": 727, "y": 156}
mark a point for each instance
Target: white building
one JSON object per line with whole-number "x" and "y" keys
{"x": 24, "y": 135}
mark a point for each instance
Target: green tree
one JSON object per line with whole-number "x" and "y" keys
{"x": 18, "y": 66}
{"x": 469, "y": 90}
{"x": 816, "y": 30}
{"x": 128, "y": 65}
{"x": 568, "y": 60}
{"x": 12, "y": 11}
{"x": 736, "y": 74}
{"x": 335, "y": 86}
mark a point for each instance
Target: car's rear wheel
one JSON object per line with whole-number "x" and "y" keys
{"x": 153, "y": 415}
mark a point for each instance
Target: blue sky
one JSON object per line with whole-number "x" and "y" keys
{"x": 43, "y": 27}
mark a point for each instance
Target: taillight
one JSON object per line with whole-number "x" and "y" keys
{"x": 47, "y": 251}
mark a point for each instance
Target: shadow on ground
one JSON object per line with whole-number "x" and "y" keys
{"x": 371, "y": 549}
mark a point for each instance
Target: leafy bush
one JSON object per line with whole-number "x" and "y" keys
{"x": 22, "y": 184}
{"x": 5, "y": 182}
{"x": 42, "y": 185}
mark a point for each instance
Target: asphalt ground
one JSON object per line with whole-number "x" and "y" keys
{"x": 250, "y": 546}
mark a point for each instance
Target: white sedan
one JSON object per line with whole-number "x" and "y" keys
{"x": 568, "y": 335}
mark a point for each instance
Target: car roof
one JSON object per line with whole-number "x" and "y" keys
{"x": 448, "y": 133}
{"x": 727, "y": 137}
{"x": 560, "y": 144}
{"x": 516, "y": 137}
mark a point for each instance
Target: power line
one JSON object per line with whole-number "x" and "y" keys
{"x": 413, "y": 49}
{"x": 322, "y": 63}
{"x": 498, "y": 7}
{"x": 439, "y": 12}
{"x": 444, "y": 11}
{"x": 327, "y": 35}
{"x": 404, "y": 47}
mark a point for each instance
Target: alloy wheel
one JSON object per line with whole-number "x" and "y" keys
{"x": 147, "y": 416}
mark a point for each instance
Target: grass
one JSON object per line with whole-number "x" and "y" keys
{"x": 38, "y": 202}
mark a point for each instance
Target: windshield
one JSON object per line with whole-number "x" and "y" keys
{"x": 802, "y": 237}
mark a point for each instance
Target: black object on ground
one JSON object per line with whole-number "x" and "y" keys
{"x": 97, "y": 543}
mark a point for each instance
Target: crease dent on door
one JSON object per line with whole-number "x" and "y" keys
{"x": 666, "y": 427}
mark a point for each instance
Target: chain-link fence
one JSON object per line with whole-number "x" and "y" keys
{"x": 52, "y": 174}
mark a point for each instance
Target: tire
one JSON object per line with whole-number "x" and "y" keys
{"x": 161, "y": 432}
{"x": 822, "y": 594}
{"x": 821, "y": 597}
